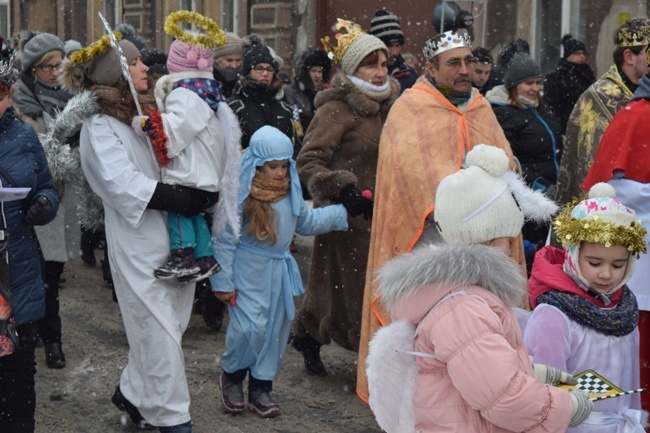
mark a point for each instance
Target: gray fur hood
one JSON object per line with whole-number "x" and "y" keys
{"x": 342, "y": 89}
{"x": 498, "y": 95}
{"x": 441, "y": 269}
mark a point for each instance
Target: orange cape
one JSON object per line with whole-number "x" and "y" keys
{"x": 425, "y": 139}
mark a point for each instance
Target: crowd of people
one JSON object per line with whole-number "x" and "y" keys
{"x": 432, "y": 197}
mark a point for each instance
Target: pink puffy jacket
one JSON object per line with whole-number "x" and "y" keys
{"x": 481, "y": 380}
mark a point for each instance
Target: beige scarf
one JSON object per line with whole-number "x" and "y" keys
{"x": 264, "y": 188}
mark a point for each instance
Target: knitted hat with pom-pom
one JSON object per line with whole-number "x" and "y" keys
{"x": 477, "y": 203}
{"x": 183, "y": 57}
{"x": 602, "y": 219}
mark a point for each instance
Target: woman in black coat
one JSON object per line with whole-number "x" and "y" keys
{"x": 256, "y": 103}
{"x": 533, "y": 132}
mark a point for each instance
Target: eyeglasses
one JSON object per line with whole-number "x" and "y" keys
{"x": 261, "y": 69}
{"x": 456, "y": 63}
{"x": 49, "y": 68}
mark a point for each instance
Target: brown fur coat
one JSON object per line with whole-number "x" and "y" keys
{"x": 341, "y": 147}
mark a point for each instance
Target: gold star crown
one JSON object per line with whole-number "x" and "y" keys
{"x": 343, "y": 39}
{"x": 629, "y": 37}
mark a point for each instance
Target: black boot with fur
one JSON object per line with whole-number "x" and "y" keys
{"x": 310, "y": 349}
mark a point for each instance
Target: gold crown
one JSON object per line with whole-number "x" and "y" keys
{"x": 627, "y": 37}
{"x": 96, "y": 49}
{"x": 343, "y": 39}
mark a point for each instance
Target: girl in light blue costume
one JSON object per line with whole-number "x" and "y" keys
{"x": 259, "y": 277}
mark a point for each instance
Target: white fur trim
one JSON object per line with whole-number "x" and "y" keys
{"x": 165, "y": 85}
{"x": 226, "y": 210}
{"x": 534, "y": 204}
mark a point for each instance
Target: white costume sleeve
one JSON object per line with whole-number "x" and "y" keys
{"x": 185, "y": 116}
{"x": 106, "y": 163}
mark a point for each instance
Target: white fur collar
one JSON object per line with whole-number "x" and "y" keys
{"x": 165, "y": 84}
{"x": 459, "y": 265}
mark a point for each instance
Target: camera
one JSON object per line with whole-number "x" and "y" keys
{"x": 449, "y": 16}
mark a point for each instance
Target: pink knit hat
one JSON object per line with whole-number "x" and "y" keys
{"x": 184, "y": 58}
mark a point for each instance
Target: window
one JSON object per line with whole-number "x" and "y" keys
{"x": 228, "y": 15}
{"x": 112, "y": 12}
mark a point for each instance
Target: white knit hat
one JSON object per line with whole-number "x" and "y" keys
{"x": 477, "y": 203}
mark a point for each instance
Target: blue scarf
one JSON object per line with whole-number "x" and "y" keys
{"x": 209, "y": 90}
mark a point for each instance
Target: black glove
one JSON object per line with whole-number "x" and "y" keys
{"x": 38, "y": 212}
{"x": 355, "y": 203}
{"x": 181, "y": 199}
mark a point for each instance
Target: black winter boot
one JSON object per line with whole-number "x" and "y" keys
{"x": 310, "y": 349}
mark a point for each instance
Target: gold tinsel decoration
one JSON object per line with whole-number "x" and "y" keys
{"x": 96, "y": 49}
{"x": 571, "y": 231}
{"x": 214, "y": 37}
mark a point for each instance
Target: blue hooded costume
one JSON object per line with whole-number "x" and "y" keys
{"x": 265, "y": 276}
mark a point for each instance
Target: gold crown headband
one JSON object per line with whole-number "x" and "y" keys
{"x": 448, "y": 40}
{"x": 628, "y": 38}
{"x": 96, "y": 49}
{"x": 343, "y": 40}
{"x": 572, "y": 231}
{"x": 214, "y": 37}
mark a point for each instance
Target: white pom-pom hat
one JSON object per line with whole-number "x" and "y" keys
{"x": 485, "y": 200}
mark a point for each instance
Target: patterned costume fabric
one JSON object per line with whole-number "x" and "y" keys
{"x": 589, "y": 119}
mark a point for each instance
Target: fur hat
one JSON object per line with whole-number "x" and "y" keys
{"x": 255, "y": 52}
{"x": 37, "y": 47}
{"x": 519, "y": 45}
{"x": 602, "y": 219}
{"x": 314, "y": 56}
{"x": 184, "y": 58}
{"x": 232, "y": 46}
{"x": 485, "y": 200}
{"x": 520, "y": 68}
{"x": 571, "y": 45}
{"x": 102, "y": 67}
{"x": 385, "y": 26}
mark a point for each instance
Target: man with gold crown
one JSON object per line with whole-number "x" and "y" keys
{"x": 599, "y": 103}
{"x": 621, "y": 160}
{"x": 429, "y": 130}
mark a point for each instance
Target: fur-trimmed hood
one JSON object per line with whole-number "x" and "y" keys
{"x": 434, "y": 271}
{"x": 342, "y": 89}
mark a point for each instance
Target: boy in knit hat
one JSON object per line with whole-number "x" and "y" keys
{"x": 469, "y": 370}
{"x": 385, "y": 26}
{"x": 585, "y": 315}
{"x": 196, "y": 138}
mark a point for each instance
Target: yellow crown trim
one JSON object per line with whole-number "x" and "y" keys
{"x": 214, "y": 37}
{"x": 628, "y": 38}
{"x": 352, "y": 31}
{"x": 96, "y": 49}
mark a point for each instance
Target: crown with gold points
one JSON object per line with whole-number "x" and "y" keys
{"x": 446, "y": 41}
{"x": 631, "y": 36}
{"x": 343, "y": 40}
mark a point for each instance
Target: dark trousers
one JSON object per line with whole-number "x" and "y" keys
{"x": 17, "y": 391}
{"x": 254, "y": 384}
{"x": 50, "y": 325}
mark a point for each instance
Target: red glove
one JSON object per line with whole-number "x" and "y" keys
{"x": 366, "y": 193}
{"x": 227, "y": 297}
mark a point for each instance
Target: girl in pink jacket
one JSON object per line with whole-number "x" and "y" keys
{"x": 585, "y": 316}
{"x": 472, "y": 372}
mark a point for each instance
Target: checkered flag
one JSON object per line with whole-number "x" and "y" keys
{"x": 597, "y": 386}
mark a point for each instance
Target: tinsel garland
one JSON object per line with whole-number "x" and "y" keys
{"x": 214, "y": 38}
{"x": 96, "y": 49}
{"x": 158, "y": 137}
{"x": 571, "y": 231}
